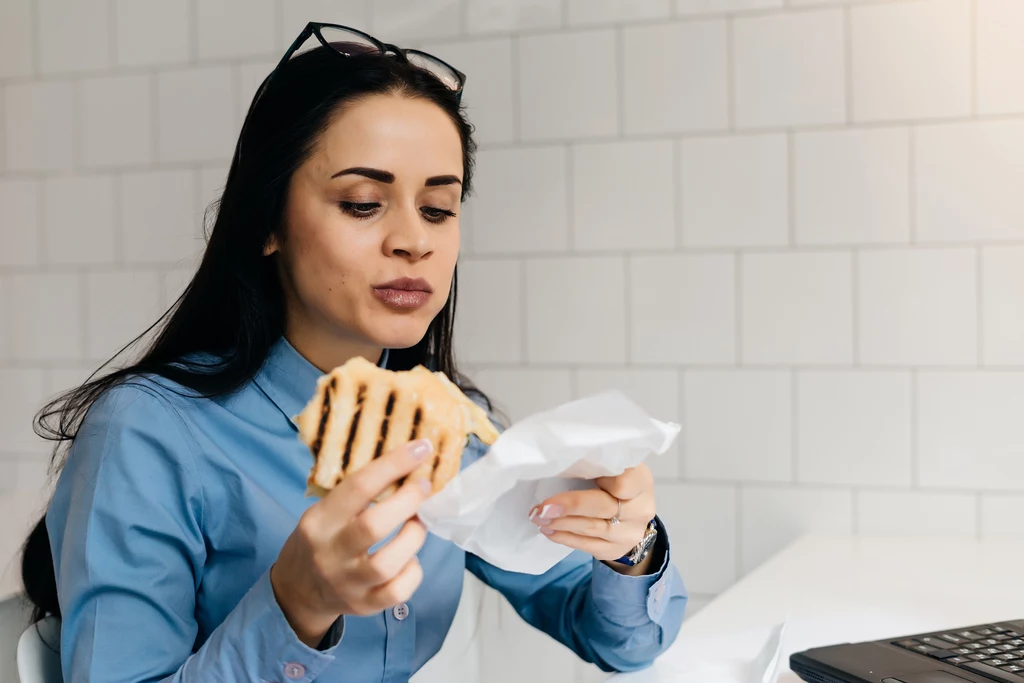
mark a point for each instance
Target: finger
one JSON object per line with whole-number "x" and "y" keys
{"x": 385, "y": 564}
{"x": 374, "y": 524}
{"x": 594, "y": 527}
{"x": 357, "y": 490}
{"x": 587, "y": 503}
{"x": 602, "y": 550}
{"x": 627, "y": 485}
{"x": 399, "y": 589}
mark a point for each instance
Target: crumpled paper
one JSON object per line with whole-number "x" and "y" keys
{"x": 484, "y": 509}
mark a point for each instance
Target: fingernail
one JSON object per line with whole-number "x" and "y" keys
{"x": 418, "y": 450}
{"x": 533, "y": 513}
{"x": 547, "y": 531}
{"x": 550, "y": 512}
{"x": 426, "y": 486}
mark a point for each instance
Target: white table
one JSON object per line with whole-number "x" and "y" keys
{"x": 847, "y": 588}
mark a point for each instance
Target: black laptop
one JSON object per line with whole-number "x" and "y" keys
{"x": 984, "y": 653}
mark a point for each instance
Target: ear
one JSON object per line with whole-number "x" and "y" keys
{"x": 271, "y": 247}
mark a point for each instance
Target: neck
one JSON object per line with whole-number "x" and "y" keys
{"x": 327, "y": 351}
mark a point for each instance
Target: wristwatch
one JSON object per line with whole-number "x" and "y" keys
{"x": 642, "y": 549}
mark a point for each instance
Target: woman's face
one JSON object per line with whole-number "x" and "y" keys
{"x": 371, "y": 233}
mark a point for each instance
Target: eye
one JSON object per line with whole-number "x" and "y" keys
{"x": 360, "y": 209}
{"x": 435, "y": 215}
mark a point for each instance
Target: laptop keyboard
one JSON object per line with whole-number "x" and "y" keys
{"x": 993, "y": 651}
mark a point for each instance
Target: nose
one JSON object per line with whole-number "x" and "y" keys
{"x": 407, "y": 237}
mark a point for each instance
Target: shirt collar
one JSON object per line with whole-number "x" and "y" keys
{"x": 289, "y": 380}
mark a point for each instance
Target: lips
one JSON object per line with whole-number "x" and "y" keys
{"x": 404, "y": 293}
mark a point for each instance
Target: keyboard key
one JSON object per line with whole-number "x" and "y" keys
{"x": 962, "y": 650}
{"x": 1014, "y": 634}
{"x": 984, "y": 651}
{"x": 1013, "y": 668}
{"x": 995, "y": 662}
{"x": 989, "y": 641}
{"x": 973, "y": 646}
{"x": 968, "y": 635}
{"x": 925, "y": 649}
{"x": 953, "y": 638}
{"x": 907, "y": 643}
{"x": 957, "y": 660}
{"x": 941, "y": 654}
{"x": 1006, "y": 647}
{"x": 1016, "y": 641}
{"x": 935, "y": 642}
{"x": 1011, "y": 657}
{"x": 977, "y": 657}
{"x": 992, "y": 672}
{"x": 985, "y": 631}
{"x": 999, "y": 629}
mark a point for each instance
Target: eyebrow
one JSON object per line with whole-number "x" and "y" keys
{"x": 389, "y": 178}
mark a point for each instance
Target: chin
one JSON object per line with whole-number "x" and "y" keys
{"x": 401, "y": 333}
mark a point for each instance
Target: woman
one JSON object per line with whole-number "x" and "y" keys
{"x": 179, "y": 545}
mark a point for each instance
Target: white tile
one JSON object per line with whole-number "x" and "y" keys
{"x": 398, "y": 20}
{"x": 852, "y": 187}
{"x": 486, "y": 287}
{"x": 1000, "y": 52}
{"x": 688, "y": 7}
{"x": 79, "y": 219}
{"x": 918, "y": 307}
{"x": 250, "y": 76}
{"x": 483, "y": 16}
{"x": 159, "y": 218}
{"x": 584, "y": 12}
{"x": 196, "y": 115}
{"x": 22, "y": 396}
{"x": 1002, "y": 271}
{"x": 117, "y": 120}
{"x": 567, "y": 85}
{"x": 735, "y": 191}
{"x": 39, "y": 128}
{"x": 236, "y": 28}
{"x": 7, "y": 316}
{"x": 61, "y": 379}
{"x": 701, "y": 524}
{"x": 738, "y": 425}
{"x": 47, "y": 322}
{"x": 152, "y": 32}
{"x": 508, "y": 180}
{"x": 970, "y": 427}
{"x": 883, "y": 513}
{"x": 854, "y": 428}
{"x": 968, "y": 182}
{"x": 772, "y": 518}
{"x": 623, "y": 196}
{"x": 174, "y": 283}
{"x": 17, "y": 38}
{"x": 911, "y": 59}
{"x": 683, "y": 309}
{"x": 74, "y": 35}
{"x": 488, "y": 92}
{"x": 797, "y": 308}
{"x": 298, "y": 13}
{"x": 655, "y": 391}
{"x": 683, "y": 67}
{"x": 789, "y": 69}
{"x": 520, "y": 392}
{"x": 576, "y": 310}
{"x": 1001, "y": 515}
{"x": 122, "y": 306}
{"x": 516, "y": 651}
{"x": 20, "y": 222}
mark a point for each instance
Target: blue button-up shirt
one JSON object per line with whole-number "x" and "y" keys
{"x": 171, "y": 510}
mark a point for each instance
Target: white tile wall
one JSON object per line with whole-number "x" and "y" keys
{"x": 789, "y": 69}
{"x": 852, "y": 187}
{"x": 792, "y": 226}
{"x": 911, "y": 59}
{"x": 623, "y": 196}
{"x": 918, "y": 307}
{"x": 734, "y": 191}
{"x": 854, "y": 428}
{"x": 797, "y": 308}
{"x": 962, "y": 167}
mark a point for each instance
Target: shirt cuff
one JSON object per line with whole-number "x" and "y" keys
{"x": 632, "y": 600}
{"x": 277, "y": 652}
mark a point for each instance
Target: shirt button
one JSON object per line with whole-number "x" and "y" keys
{"x": 401, "y": 612}
{"x": 294, "y": 670}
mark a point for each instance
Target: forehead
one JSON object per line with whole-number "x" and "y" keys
{"x": 410, "y": 137}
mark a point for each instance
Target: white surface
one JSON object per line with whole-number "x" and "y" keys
{"x": 39, "y": 653}
{"x": 834, "y": 589}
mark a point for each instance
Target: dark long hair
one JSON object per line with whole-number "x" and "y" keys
{"x": 234, "y": 308}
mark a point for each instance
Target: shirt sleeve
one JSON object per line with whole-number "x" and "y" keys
{"x": 125, "y": 529}
{"x": 618, "y": 622}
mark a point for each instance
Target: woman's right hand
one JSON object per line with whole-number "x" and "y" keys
{"x": 324, "y": 569}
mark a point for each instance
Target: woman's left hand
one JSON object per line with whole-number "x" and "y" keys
{"x": 582, "y": 520}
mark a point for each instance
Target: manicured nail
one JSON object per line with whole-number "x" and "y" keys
{"x": 547, "y": 531}
{"x": 550, "y": 512}
{"x": 426, "y": 486}
{"x": 418, "y": 450}
{"x": 533, "y": 513}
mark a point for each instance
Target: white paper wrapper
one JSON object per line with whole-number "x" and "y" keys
{"x": 484, "y": 510}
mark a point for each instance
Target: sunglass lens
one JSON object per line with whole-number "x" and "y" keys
{"x": 440, "y": 70}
